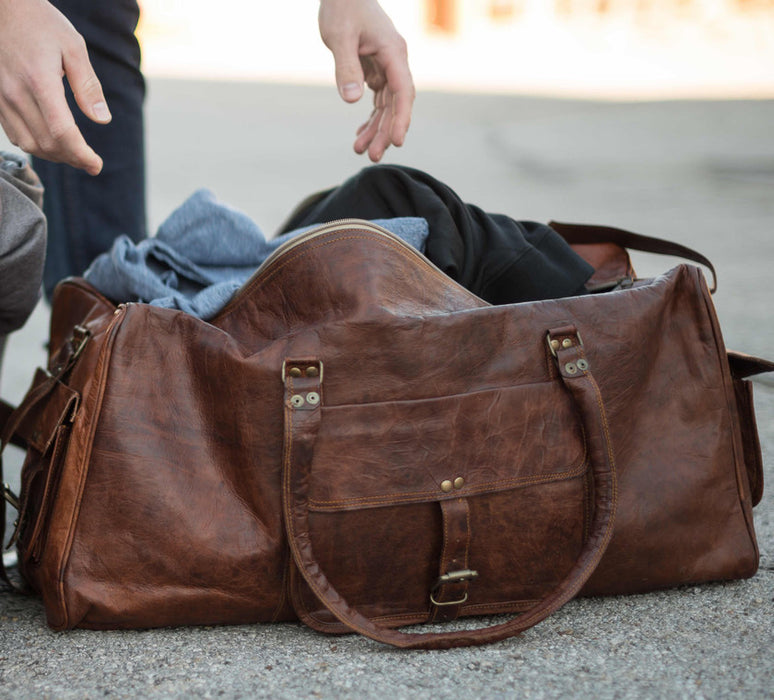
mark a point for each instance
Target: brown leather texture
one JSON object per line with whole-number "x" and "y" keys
{"x": 354, "y": 425}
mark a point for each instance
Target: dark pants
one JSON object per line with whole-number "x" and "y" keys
{"x": 85, "y": 213}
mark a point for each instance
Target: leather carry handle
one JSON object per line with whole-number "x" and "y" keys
{"x": 586, "y": 233}
{"x": 302, "y": 420}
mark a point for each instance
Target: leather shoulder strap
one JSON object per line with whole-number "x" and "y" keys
{"x": 585, "y": 233}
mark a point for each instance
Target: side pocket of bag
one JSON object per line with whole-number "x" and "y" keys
{"x": 46, "y": 430}
{"x": 743, "y": 366}
{"x": 753, "y": 460}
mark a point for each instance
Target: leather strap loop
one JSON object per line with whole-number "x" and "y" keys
{"x": 447, "y": 598}
{"x": 301, "y": 428}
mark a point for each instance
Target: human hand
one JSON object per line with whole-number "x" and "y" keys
{"x": 38, "y": 46}
{"x": 367, "y": 48}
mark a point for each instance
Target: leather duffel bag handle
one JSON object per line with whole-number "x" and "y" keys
{"x": 302, "y": 420}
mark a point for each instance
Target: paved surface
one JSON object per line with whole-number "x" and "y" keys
{"x": 700, "y": 173}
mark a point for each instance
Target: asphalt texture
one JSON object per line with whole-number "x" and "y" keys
{"x": 701, "y": 173}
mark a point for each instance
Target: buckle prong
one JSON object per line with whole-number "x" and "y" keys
{"x": 450, "y": 578}
{"x": 10, "y": 496}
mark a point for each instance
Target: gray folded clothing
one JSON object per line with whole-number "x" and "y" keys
{"x": 22, "y": 241}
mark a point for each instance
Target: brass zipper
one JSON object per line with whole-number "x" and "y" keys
{"x": 323, "y": 229}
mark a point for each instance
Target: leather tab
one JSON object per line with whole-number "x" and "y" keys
{"x": 39, "y": 426}
{"x": 447, "y": 598}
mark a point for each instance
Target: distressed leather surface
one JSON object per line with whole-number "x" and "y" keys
{"x": 168, "y": 498}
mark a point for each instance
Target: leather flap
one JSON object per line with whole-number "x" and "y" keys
{"x": 395, "y": 452}
{"x": 38, "y": 428}
{"x": 610, "y": 261}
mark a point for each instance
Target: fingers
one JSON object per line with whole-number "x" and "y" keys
{"x": 38, "y": 47}
{"x": 393, "y": 62}
{"x": 367, "y": 47}
{"x": 349, "y": 73}
{"x": 41, "y": 124}
{"x": 84, "y": 83}
{"x": 374, "y": 135}
{"x": 388, "y": 75}
{"x": 340, "y": 34}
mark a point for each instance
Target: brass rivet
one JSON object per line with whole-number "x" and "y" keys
{"x": 582, "y": 365}
{"x": 312, "y": 371}
{"x": 297, "y": 400}
{"x": 459, "y": 482}
{"x": 446, "y": 486}
{"x": 555, "y": 344}
{"x": 295, "y": 372}
{"x": 567, "y": 343}
{"x": 570, "y": 368}
{"x": 313, "y": 398}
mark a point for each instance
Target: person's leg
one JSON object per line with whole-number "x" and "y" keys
{"x": 85, "y": 213}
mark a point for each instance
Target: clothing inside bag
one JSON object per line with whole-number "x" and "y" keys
{"x": 205, "y": 251}
{"x": 201, "y": 255}
{"x": 497, "y": 258}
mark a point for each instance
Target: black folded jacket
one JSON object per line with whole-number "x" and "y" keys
{"x": 497, "y": 258}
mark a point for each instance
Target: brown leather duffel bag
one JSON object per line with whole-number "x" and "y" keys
{"x": 359, "y": 442}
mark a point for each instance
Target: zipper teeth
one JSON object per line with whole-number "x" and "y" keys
{"x": 327, "y": 228}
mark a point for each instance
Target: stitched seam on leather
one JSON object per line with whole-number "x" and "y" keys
{"x": 603, "y": 416}
{"x": 444, "y": 552}
{"x": 468, "y": 533}
{"x": 425, "y": 496}
{"x": 729, "y": 408}
{"x": 504, "y": 606}
{"x": 103, "y": 367}
{"x": 614, "y": 498}
{"x": 296, "y": 597}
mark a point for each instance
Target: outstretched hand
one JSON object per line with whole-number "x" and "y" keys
{"x": 368, "y": 49}
{"x": 38, "y": 46}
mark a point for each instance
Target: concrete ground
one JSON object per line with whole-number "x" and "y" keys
{"x": 701, "y": 173}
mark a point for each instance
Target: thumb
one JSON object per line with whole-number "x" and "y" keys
{"x": 349, "y": 72}
{"x": 86, "y": 87}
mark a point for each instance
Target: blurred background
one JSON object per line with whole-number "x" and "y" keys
{"x": 602, "y": 48}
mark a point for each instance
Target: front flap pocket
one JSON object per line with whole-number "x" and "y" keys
{"x": 390, "y": 453}
{"x": 39, "y": 427}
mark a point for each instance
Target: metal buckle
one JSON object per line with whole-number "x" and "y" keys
{"x": 452, "y": 577}
{"x": 10, "y": 496}
{"x": 81, "y": 335}
{"x": 79, "y": 340}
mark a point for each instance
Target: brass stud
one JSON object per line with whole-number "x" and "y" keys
{"x": 312, "y": 371}
{"x": 582, "y": 365}
{"x": 313, "y": 398}
{"x": 570, "y": 368}
{"x": 567, "y": 343}
{"x": 459, "y": 482}
{"x": 297, "y": 400}
{"x": 446, "y": 486}
{"x": 555, "y": 344}
{"x": 294, "y": 371}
